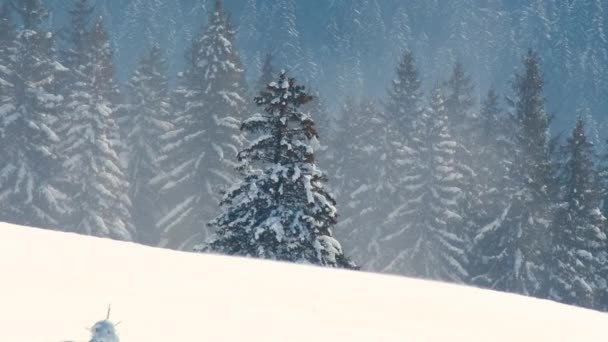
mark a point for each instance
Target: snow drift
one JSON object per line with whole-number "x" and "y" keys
{"x": 54, "y": 286}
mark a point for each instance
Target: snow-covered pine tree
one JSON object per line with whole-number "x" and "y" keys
{"x": 579, "y": 229}
{"x": 428, "y": 240}
{"x": 460, "y": 102}
{"x": 198, "y": 155}
{"x": 96, "y": 179}
{"x": 494, "y": 161}
{"x": 149, "y": 118}
{"x": 463, "y": 121}
{"x": 334, "y": 139}
{"x": 405, "y": 95}
{"x": 404, "y": 110}
{"x": 516, "y": 247}
{"x": 280, "y": 210}
{"x": 359, "y": 157}
{"x": 30, "y": 106}
{"x": 329, "y": 154}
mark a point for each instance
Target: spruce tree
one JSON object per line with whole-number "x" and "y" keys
{"x": 198, "y": 155}
{"x": 280, "y": 210}
{"x": 30, "y": 108}
{"x": 495, "y": 158}
{"x": 359, "y": 159}
{"x": 579, "y": 229}
{"x": 405, "y": 95}
{"x": 460, "y": 102}
{"x": 427, "y": 240}
{"x": 463, "y": 121}
{"x": 404, "y": 110}
{"x": 516, "y": 247}
{"x": 149, "y": 115}
{"x": 96, "y": 176}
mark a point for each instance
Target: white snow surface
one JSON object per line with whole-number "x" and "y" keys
{"x": 57, "y": 285}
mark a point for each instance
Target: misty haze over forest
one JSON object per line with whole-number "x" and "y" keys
{"x": 353, "y": 46}
{"x": 461, "y": 141}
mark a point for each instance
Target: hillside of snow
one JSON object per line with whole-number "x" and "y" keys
{"x": 54, "y": 286}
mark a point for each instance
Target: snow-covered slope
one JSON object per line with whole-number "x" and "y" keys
{"x": 55, "y": 285}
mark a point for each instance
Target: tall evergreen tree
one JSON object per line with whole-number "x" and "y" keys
{"x": 405, "y": 95}
{"x": 463, "y": 121}
{"x": 359, "y": 160}
{"x": 494, "y": 161}
{"x": 30, "y": 108}
{"x": 198, "y": 154}
{"x": 579, "y": 229}
{"x": 97, "y": 180}
{"x": 149, "y": 118}
{"x": 460, "y": 101}
{"x": 516, "y": 248}
{"x": 427, "y": 240}
{"x": 280, "y": 210}
{"x": 404, "y": 110}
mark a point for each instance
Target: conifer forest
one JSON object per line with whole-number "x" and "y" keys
{"x": 463, "y": 141}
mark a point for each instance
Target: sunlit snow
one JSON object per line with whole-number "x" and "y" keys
{"x": 55, "y": 286}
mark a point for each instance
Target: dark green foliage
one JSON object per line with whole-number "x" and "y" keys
{"x": 280, "y": 210}
{"x": 579, "y": 229}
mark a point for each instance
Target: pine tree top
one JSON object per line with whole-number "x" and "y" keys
{"x": 460, "y": 89}
{"x": 529, "y": 88}
{"x": 405, "y": 94}
{"x": 581, "y": 178}
{"x": 280, "y": 210}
